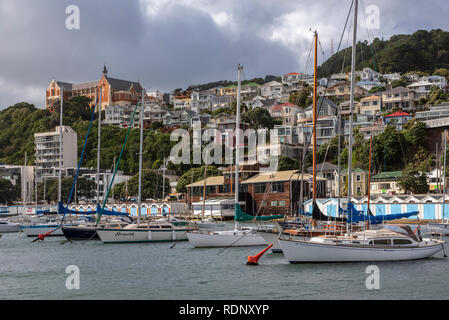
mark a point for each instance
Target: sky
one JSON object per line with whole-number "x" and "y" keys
{"x": 169, "y": 44}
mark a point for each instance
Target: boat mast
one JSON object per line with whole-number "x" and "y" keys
{"x": 339, "y": 161}
{"x": 314, "y": 118}
{"x": 204, "y": 189}
{"x": 60, "y": 144}
{"x": 237, "y": 143}
{"x": 351, "y": 104}
{"x": 99, "y": 145}
{"x": 24, "y": 185}
{"x": 369, "y": 171}
{"x": 139, "y": 209}
{"x": 444, "y": 173}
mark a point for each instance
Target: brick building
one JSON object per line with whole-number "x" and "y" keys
{"x": 114, "y": 91}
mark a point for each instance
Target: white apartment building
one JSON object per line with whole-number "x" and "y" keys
{"x": 48, "y": 153}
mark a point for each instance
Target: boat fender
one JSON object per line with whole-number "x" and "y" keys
{"x": 173, "y": 235}
{"x": 149, "y": 235}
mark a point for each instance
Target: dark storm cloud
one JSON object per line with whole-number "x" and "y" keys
{"x": 171, "y": 44}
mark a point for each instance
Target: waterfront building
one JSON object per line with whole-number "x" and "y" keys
{"x": 359, "y": 181}
{"x": 386, "y": 183}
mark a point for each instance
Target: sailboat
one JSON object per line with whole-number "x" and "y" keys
{"x": 141, "y": 231}
{"x": 391, "y": 243}
{"x": 443, "y": 226}
{"x": 240, "y": 236}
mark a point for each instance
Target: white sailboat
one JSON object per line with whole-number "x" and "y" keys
{"x": 443, "y": 226}
{"x": 239, "y": 236}
{"x": 139, "y": 232}
{"x": 392, "y": 243}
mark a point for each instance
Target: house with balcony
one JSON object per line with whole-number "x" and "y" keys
{"x": 342, "y": 91}
{"x": 399, "y": 97}
{"x": 370, "y": 105}
{"x": 286, "y": 112}
{"x": 423, "y": 87}
{"x": 272, "y": 90}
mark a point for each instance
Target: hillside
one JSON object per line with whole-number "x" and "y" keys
{"x": 20, "y": 121}
{"x": 423, "y": 51}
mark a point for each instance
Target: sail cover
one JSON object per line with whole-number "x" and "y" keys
{"x": 355, "y": 216}
{"x": 65, "y": 210}
{"x": 111, "y": 212}
{"x": 242, "y": 216}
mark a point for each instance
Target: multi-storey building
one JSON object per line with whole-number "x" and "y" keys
{"x": 370, "y": 105}
{"x": 48, "y": 153}
{"x": 399, "y": 97}
{"x": 113, "y": 91}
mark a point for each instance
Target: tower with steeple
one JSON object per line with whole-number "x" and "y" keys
{"x": 105, "y": 71}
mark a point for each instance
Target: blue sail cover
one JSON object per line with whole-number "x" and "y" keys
{"x": 355, "y": 216}
{"x": 64, "y": 210}
{"x": 111, "y": 212}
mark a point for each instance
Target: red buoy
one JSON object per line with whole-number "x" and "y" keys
{"x": 253, "y": 260}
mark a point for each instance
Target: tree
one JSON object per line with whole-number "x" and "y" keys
{"x": 85, "y": 189}
{"x": 194, "y": 175}
{"x": 258, "y": 118}
{"x": 8, "y": 192}
{"x": 287, "y": 163}
{"x": 152, "y": 186}
{"x": 442, "y": 72}
{"x": 413, "y": 180}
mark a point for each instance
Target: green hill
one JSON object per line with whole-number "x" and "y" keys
{"x": 423, "y": 51}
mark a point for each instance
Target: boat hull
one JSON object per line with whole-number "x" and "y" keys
{"x": 9, "y": 228}
{"x": 225, "y": 239}
{"x": 271, "y": 237}
{"x": 135, "y": 235}
{"x": 297, "y": 251}
{"x": 34, "y": 231}
{"x": 80, "y": 233}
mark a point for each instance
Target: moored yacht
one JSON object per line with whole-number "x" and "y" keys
{"x": 144, "y": 232}
{"x": 8, "y": 227}
{"x": 392, "y": 243}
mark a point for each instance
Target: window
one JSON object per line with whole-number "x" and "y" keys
{"x": 277, "y": 187}
{"x": 274, "y": 203}
{"x": 382, "y": 241}
{"x": 282, "y": 203}
{"x": 259, "y": 187}
{"x": 357, "y": 177}
{"x": 401, "y": 241}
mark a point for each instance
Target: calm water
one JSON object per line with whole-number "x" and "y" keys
{"x": 154, "y": 271}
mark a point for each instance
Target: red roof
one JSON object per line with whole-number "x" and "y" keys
{"x": 280, "y": 106}
{"x": 291, "y": 73}
{"x": 398, "y": 114}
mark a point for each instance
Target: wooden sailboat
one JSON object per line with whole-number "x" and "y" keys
{"x": 391, "y": 243}
{"x": 239, "y": 236}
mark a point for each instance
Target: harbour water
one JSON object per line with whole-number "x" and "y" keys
{"x": 156, "y": 271}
